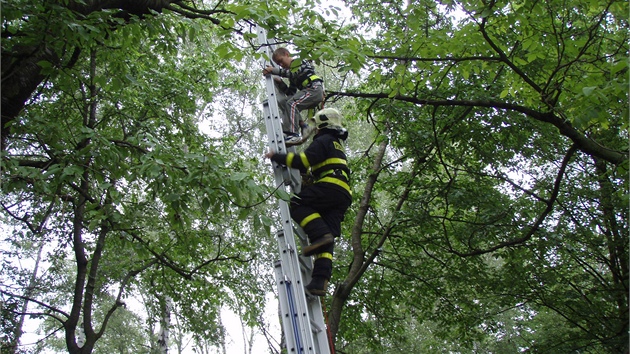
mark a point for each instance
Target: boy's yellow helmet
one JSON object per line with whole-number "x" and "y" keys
{"x": 327, "y": 118}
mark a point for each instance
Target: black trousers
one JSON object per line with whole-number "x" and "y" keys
{"x": 319, "y": 210}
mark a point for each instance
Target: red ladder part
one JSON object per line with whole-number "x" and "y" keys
{"x": 330, "y": 340}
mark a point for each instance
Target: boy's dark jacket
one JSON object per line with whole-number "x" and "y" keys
{"x": 298, "y": 79}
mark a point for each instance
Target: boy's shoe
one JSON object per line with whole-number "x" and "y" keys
{"x": 317, "y": 286}
{"x": 318, "y": 244}
{"x": 292, "y": 140}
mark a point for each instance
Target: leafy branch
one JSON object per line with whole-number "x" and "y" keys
{"x": 582, "y": 142}
{"x": 543, "y": 215}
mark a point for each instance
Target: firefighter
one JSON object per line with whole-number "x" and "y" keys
{"x": 320, "y": 207}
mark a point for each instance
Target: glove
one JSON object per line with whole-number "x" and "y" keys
{"x": 307, "y": 179}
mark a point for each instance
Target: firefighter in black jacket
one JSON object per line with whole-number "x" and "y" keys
{"x": 320, "y": 207}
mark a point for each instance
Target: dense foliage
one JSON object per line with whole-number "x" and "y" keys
{"x": 489, "y": 150}
{"x": 107, "y": 167}
{"x": 498, "y": 220}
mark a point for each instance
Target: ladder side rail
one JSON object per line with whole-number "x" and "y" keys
{"x": 291, "y": 269}
{"x": 298, "y": 311}
{"x": 306, "y": 324}
{"x": 295, "y": 293}
{"x": 287, "y": 322}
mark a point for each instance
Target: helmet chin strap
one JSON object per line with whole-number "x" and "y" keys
{"x": 341, "y": 133}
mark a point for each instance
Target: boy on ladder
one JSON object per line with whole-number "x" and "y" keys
{"x": 305, "y": 91}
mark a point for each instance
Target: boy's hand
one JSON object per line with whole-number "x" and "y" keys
{"x": 267, "y": 70}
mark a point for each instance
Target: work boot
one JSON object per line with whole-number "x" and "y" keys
{"x": 317, "y": 245}
{"x": 317, "y": 286}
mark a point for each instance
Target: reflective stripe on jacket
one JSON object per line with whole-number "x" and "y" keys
{"x": 326, "y": 159}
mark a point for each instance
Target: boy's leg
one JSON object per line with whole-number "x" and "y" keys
{"x": 304, "y": 99}
{"x": 284, "y": 110}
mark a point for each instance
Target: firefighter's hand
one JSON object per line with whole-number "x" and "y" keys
{"x": 270, "y": 154}
{"x": 307, "y": 179}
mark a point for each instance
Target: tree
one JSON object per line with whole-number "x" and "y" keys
{"x": 109, "y": 150}
{"x": 55, "y": 33}
{"x": 497, "y": 124}
{"x": 491, "y": 201}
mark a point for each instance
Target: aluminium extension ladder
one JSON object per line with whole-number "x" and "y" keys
{"x": 302, "y": 318}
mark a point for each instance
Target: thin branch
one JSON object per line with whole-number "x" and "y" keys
{"x": 550, "y": 203}
{"x": 505, "y": 59}
{"x": 123, "y": 286}
{"x": 30, "y": 299}
{"x": 164, "y": 260}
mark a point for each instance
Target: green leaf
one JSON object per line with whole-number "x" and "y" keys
{"x": 172, "y": 197}
{"x": 116, "y": 84}
{"x": 72, "y": 170}
{"x": 282, "y": 194}
{"x": 239, "y": 176}
{"x": 618, "y": 66}
{"x": 243, "y": 214}
{"x": 587, "y": 91}
{"x": 205, "y": 203}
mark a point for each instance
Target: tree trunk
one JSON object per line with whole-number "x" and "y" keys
{"x": 27, "y": 295}
{"x": 166, "y": 305}
{"x": 343, "y": 290}
{"x": 617, "y": 244}
{"x": 21, "y": 75}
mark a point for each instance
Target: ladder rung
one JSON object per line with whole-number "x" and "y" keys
{"x": 315, "y": 327}
{"x": 306, "y": 268}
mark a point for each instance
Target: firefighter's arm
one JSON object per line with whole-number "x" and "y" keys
{"x": 291, "y": 159}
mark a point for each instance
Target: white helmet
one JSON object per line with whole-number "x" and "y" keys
{"x": 327, "y": 118}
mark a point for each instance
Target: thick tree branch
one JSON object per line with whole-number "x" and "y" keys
{"x": 21, "y": 74}
{"x": 435, "y": 59}
{"x": 583, "y": 143}
{"x": 192, "y": 13}
{"x": 360, "y": 263}
{"x": 343, "y": 290}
